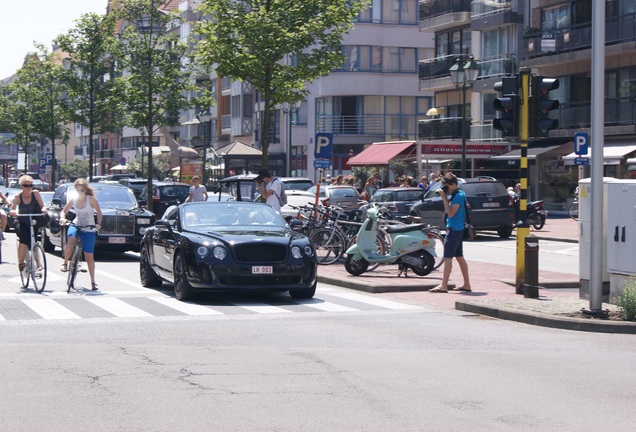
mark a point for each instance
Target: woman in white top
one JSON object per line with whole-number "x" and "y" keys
{"x": 85, "y": 206}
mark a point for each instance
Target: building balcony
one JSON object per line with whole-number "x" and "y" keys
{"x": 443, "y": 128}
{"x": 492, "y": 14}
{"x": 620, "y": 117}
{"x": 438, "y": 15}
{"x": 566, "y": 41}
{"x": 352, "y": 125}
{"x": 104, "y": 154}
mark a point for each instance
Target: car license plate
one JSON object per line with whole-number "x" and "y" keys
{"x": 346, "y": 204}
{"x": 117, "y": 240}
{"x": 262, "y": 270}
{"x": 490, "y": 204}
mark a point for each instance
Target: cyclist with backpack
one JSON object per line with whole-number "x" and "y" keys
{"x": 270, "y": 189}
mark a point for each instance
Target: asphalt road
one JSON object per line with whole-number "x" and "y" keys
{"x": 345, "y": 361}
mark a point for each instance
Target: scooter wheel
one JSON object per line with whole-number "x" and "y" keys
{"x": 428, "y": 264}
{"x": 356, "y": 267}
{"x": 539, "y": 222}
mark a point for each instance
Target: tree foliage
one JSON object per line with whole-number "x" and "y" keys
{"x": 74, "y": 169}
{"x": 43, "y": 74}
{"x": 278, "y": 46}
{"x": 93, "y": 90}
{"x": 158, "y": 84}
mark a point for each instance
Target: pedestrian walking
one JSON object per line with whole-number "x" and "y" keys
{"x": 198, "y": 192}
{"x": 453, "y": 244}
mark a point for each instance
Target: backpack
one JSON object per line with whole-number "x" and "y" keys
{"x": 282, "y": 199}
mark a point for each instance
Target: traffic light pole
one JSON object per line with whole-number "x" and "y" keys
{"x": 523, "y": 229}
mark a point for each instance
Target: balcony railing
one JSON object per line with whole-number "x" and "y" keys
{"x": 434, "y": 8}
{"x": 618, "y": 111}
{"x": 436, "y": 67}
{"x": 578, "y": 37}
{"x": 481, "y": 9}
{"x": 352, "y": 125}
{"x": 444, "y": 128}
{"x": 105, "y": 154}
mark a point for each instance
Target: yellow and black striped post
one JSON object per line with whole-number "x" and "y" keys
{"x": 523, "y": 229}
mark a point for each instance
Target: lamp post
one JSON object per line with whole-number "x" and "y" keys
{"x": 289, "y": 109}
{"x": 205, "y": 118}
{"x": 464, "y": 76}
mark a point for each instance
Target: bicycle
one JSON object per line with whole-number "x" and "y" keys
{"x": 74, "y": 262}
{"x": 573, "y": 209}
{"x": 35, "y": 260}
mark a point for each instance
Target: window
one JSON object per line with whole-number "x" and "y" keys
{"x": 456, "y": 41}
{"x": 555, "y": 17}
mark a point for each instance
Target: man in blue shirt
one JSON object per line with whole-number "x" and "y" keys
{"x": 456, "y": 217}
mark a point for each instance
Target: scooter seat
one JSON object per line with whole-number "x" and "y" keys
{"x": 392, "y": 229}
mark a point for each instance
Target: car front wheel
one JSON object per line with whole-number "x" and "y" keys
{"x": 504, "y": 231}
{"x": 303, "y": 294}
{"x": 147, "y": 275}
{"x": 183, "y": 291}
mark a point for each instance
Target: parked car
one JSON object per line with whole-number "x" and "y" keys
{"x": 344, "y": 196}
{"x": 10, "y": 193}
{"x": 296, "y": 198}
{"x": 164, "y": 195}
{"x": 398, "y": 200}
{"x": 243, "y": 187}
{"x": 227, "y": 247}
{"x": 134, "y": 184}
{"x": 123, "y": 222}
{"x": 490, "y": 206}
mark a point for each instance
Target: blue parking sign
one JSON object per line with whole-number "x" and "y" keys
{"x": 324, "y": 145}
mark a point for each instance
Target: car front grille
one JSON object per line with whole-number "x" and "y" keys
{"x": 118, "y": 224}
{"x": 262, "y": 253}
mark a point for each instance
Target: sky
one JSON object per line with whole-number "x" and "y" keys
{"x": 25, "y": 21}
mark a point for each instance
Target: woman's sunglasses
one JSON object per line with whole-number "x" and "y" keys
{"x": 27, "y": 185}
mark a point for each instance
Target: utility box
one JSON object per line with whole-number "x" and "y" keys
{"x": 585, "y": 238}
{"x": 621, "y": 235}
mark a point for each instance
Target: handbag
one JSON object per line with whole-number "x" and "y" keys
{"x": 469, "y": 230}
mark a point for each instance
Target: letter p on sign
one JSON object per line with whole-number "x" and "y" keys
{"x": 581, "y": 143}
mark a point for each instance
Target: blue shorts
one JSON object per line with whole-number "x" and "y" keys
{"x": 88, "y": 238}
{"x": 453, "y": 244}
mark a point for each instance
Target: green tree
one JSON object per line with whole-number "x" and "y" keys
{"x": 278, "y": 46}
{"x": 17, "y": 117}
{"x": 75, "y": 169}
{"x": 158, "y": 85}
{"x": 42, "y": 74}
{"x": 94, "y": 92}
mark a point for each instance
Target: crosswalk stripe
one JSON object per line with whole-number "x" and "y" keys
{"x": 118, "y": 307}
{"x": 262, "y": 308}
{"x": 327, "y": 306}
{"x": 49, "y": 309}
{"x": 186, "y": 308}
{"x": 388, "y": 304}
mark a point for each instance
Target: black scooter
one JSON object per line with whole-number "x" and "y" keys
{"x": 535, "y": 213}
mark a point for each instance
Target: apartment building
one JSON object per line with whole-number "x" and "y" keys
{"x": 553, "y": 38}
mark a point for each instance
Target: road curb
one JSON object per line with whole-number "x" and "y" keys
{"x": 363, "y": 285}
{"x": 545, "y": 320}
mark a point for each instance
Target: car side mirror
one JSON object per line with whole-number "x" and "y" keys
{"x": 163, "y": 224}
{"x": 56, "y": 201}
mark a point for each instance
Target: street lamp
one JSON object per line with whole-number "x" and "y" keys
{"x": 289, "y": 109}
{"x": 464, "y": 76}
{"x": 205, "y": 118}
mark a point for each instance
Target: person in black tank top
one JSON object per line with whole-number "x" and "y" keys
{"x": 28, "y": 201}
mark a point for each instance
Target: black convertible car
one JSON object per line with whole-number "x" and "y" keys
{"x": 227, "y": 247}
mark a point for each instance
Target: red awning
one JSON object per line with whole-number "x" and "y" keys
{"x": 380, "y": 153}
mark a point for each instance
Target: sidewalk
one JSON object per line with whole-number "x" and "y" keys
{"x": 493, "y": 289}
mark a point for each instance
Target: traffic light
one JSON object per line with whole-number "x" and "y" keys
{"x": 508, "y": 105}
{"x": 541, "y": 105}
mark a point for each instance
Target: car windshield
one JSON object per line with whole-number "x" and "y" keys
{"x": 396, "y": 195}
{"x": 484, "y": 189}
{"x": 298, "y": 184}
{"x": 213, "y": 215}
{"x": 110, "y": 197}
{"x": 178, "y": 192}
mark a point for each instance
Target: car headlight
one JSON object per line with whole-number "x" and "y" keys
{"x": 143, "y": 221}
{"x": 203, "y": 251}
{"x": 295, "y": 250}
{"x": 219, "y": 252}
{"x": 309, "y": 251}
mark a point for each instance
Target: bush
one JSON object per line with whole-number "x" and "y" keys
{"x": 627, "y": 301}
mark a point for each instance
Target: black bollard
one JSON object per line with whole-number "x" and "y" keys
{"x": 531, "y": 282}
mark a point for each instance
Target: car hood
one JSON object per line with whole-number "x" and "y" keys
{"x": 118, "y": 211}
{"x": 234, "y": 236}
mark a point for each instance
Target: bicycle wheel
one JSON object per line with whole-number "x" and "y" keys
{"x": 25, "y": 274}
{"x": 72, "y": 268}
{"x": 330, "y": 245}
{"x": 38, "y": 270}
{"x": 573, "y": 211}
{"x": 439, "y": 248}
